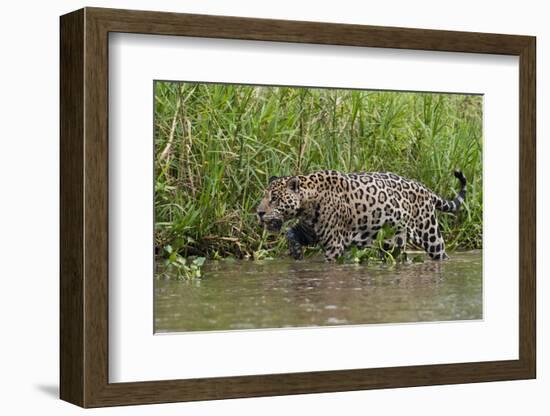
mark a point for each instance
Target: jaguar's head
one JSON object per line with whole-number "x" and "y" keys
{"x": 281, "y": 202}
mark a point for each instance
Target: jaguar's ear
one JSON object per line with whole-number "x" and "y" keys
{"x": 272, "y": 178}
{"x": 293, "y": 184}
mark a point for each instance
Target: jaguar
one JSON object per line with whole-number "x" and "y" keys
{"x": 337, "y": 210}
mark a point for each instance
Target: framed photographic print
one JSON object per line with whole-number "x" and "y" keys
{"x": 255, "y": 207}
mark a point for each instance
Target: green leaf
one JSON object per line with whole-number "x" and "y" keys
{"x": 199, "y": 261}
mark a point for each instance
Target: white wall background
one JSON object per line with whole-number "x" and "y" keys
{"x": 29, "y": 159}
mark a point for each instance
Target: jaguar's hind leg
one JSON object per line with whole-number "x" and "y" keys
{"x": 415, "y": 237}
{"x": 436, "y": 250}
{"x": 430, "y": 236}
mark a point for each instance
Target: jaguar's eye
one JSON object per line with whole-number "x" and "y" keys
{"x": 273, "y": 200}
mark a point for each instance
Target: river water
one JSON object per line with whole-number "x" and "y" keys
{"x": 287, "y": 293}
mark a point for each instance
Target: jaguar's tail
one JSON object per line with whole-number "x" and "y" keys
{"x": 453, "y": 206}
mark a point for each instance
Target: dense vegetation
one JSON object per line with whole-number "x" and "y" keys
{"x": 217, "y": 145}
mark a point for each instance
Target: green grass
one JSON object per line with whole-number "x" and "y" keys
{"x": 217, "y": 145}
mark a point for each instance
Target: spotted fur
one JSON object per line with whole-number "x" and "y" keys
{"x": 337, "y": 210}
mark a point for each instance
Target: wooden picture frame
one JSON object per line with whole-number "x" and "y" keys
{"x": 84, "y": 207}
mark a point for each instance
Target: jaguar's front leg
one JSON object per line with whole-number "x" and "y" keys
{"x": 294, "y": 245}
{"x": 333, "y": 250}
